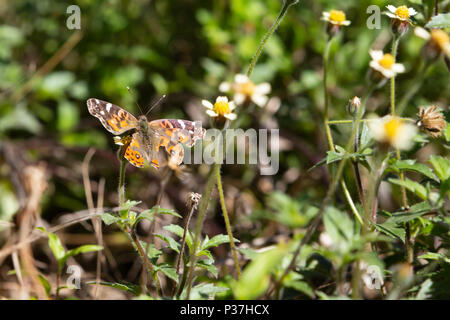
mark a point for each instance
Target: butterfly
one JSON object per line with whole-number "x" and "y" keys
{"x": 147, "y": 136}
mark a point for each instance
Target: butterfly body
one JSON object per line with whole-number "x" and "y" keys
{"x": 147, "y": 137}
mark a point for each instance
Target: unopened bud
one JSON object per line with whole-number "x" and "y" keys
{"x": 353, "y": 105}
{"x": 193, "y": 199}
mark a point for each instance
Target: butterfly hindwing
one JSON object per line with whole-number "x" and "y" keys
{"x": 115, "y": 119}
{"x": 135, "y": 153}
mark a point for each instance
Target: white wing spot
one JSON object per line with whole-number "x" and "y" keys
{"x": 181, "y": 124}
{"x": 102, "y": 112}
{"x": 108, "y": 106}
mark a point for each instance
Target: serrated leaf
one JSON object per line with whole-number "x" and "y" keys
{"x": 411, "y": 165}
{"x": 412, "y": 186}
{"x": 168, "y": 271}
{"x": 216, "y": 241}
{"x": 109, "y": 219}
{"x": 179, "y": 231}
{"x": 441, "y": 21}
{"x": 170, "y": 241}
{"x": 441, "y": 167}
{"x": 208, "y": 266}
{"x": 206, "y": 253}
{"x": 414, "y": 212}
{"x": 153, "y": 253}
{"x": 391, "y": 229}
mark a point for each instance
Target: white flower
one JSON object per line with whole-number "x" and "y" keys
{"x": 402, "y": 13}
{"x": 438, "y": 37}
{"x": 385, "y": 63}
{"x": 221, "y": 108}
{"x": 393, "y": 131}
{"x": 335, "y": 17}
{"x": 244, "y": 89}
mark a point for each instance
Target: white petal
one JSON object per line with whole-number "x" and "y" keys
{"x": 376, "y": 129}
{"x": 375, "y": 65}
{"x": 376, "y": 54}
{"x": 326, "y": 14}
{"x": 230, "y": 116}
{"x": 259, "y": 99}
{"x": 239, "y": 98}
{"x": 211, "y": 113}
{"x": 263, "y": 88}
{"x": 222, "y": 99}
{"x": 225, "y": 87}
{"x": 241, "y": 78}
{"x": 346, "y": 23}
{"x": 391, "y": 8}
{"x": 412, "y": 12}
{"x": 390, "y": 15}
{"x": 387, "y": 73}
{"x": 207, "y": 104}
{"x": 232, "y": 105}
{"x": 422, "y": 33}
{"x": 398, "y": 68}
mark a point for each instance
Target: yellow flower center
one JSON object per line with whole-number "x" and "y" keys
{"x": 247, "y": 88}
{"x": 391, "y": 127}
{"x": 337, "y": 16}
{"x": 440, "y": 37}
{"x": 221, "y": 108}
{"x": 402, "y": 12}
{"x": 387, "y": 61}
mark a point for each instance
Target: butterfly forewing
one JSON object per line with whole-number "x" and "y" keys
{"x": 115, "y": 119}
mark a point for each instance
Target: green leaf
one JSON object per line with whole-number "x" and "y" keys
{"x": 300, "y": 286}
{"x": 149, "y": 214}
{"x": 204, "y": 291}
{"x": 339, "y": 226}
{"x": 256, "y": 276}
{"x": 109, "y": 219}
{"x": 412, "y": 186}
{"x": 416, "y": 211}
{"x": 411, "y": 165}
{"x": 208, "y": 266}
{"x": 425, "y": 290}
{"x": 47, "y": 286}
{"x": 179, "y": 231}
{"x": 217, "y": 240}
{"x": 391, "y": 229}
{"x": 441, "y": 21}
{"x": 168, "y": 271}
{"x": 435, "y": 256}
{"x": 170, "y": 241}
{"x": 55, "y": 244}
{"x": 153, "y": 253}
{"x": 441, "y": 167}
{"x": 125, "y": 286}
{"x": 206, "y": 253}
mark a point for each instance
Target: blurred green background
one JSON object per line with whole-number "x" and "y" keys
{"x": 184, "y": 49}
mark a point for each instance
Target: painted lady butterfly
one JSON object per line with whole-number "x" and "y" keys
{"x": 148, "y": 136}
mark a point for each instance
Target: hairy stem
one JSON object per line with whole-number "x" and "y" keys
{"x": 227, "y": 223}
{"x": 199, "y": 223}
{"x": 283, "y": 11}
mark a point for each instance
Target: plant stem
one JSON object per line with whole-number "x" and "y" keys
{"x": 283, "y": 11}
{"x": 395, "y": 41}
{"x": 183, "y": 244}
{"x": 315, "y": 223}
{"x": 227, "y": 223}
{"x": 326, "y": 55}
{"x": 199, "y": 223}
{"x": 121, "y": 191}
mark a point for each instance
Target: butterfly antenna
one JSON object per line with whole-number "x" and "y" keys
{"x": 155, "y": 104}
{"x": 129, "y": 90}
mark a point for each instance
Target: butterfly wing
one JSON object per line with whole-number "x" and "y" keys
{"x": 115, "y": 119}
{"x": 135, "y": 153}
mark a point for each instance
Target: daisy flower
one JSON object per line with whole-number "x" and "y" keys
{"x": 385, "y": 64}
{"x": 335, "y": 17}
{"x": 222, "y": 108}
{"x": 438, "y": 40}
{"x": 393, "y": 131}
{"x": 402, "y": 13}
{"x": 245, "y": 90}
